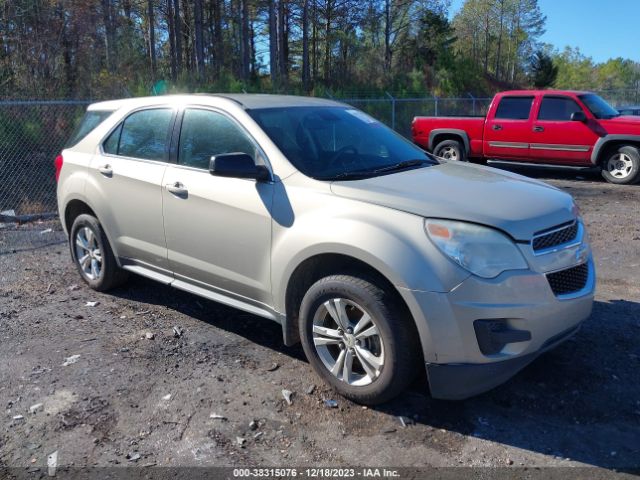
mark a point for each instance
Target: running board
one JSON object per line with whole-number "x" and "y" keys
{"x": 201, "y": 292}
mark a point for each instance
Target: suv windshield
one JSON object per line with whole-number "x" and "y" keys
{"x": 330, "y": 143}
{"x": 599, "y": 107}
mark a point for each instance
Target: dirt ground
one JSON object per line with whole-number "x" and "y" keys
{"x": 87, "y": 382}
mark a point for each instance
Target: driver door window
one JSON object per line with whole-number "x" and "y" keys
{"x": 206, "y": 133}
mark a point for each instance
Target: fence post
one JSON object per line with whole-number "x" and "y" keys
{"x": 435, "y": 106}
{"x": 473, "y": 99}
{"x": 393, "y": 110}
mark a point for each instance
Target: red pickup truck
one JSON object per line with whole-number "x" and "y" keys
{"x": 541, "y": 126}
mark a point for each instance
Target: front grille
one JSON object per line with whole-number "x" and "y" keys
{"x": 570, "y": 280}
{"x": 556, "y": 237}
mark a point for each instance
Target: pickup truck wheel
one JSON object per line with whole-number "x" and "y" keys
{"x": 450, "y": 150}
{"x": 622, "y": 165}
{"x": 357, "y": 339}
{"x": 92, "y": 254}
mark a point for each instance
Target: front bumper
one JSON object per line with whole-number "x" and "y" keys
{"x": 460, "y": 381}
{"x": 522, "y": 301}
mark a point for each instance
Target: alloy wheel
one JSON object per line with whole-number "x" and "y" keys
{"x": 620, "y": 165}
{"x": 348, "y": 342}
{"x": 449, "y": 153}
{"x": 88, "y": 253}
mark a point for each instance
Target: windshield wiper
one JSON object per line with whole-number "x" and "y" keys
{"x": 358, "y": 174}
{"x": 403, "y": 165}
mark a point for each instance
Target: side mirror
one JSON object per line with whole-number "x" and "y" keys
{"x": 237, "y": 165}
{"x": 578, "y": 117}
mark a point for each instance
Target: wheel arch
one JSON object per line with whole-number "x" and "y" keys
{"x": 72, "y": 210}
{"x": 608, "y": 142}
{"x": 318, "y": 266}
{"x": 76, "y": 207}
{"x": 441, "y": 134}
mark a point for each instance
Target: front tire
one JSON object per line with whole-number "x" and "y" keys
{"x": 450, "y": 150}
{"x": 358, "y": 338}
{"x": 93, "y": 256}
{"x": 621, "y": 165}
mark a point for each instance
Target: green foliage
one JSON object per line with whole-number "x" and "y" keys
{"x": 543, "y": 72}
{"x": 102, "y": 49}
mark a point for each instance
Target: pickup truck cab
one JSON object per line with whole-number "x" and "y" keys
{"x": 541, "y": 126}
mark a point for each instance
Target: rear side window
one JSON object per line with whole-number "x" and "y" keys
{"x": 558, "y": 108}
{"x": 89, "y": 122}
{"x": 205, "y": 133}
{"x": 514, "y": 108}
{"x": 143, "y": 134}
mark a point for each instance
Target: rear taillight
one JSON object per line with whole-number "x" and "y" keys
{"x": 58, "y": 164}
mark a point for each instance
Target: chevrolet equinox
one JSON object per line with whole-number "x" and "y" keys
{"x": 378, "y": 257}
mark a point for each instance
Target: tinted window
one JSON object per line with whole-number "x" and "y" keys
{"x": 143, "y": 134}
{"x": 336, "y": 142}
{"x": 205, "y": 133}
{"x": 515, "y": 108}
{"x": 89, "y": 121}
{"x": 598, "y": 107}
{"x": 558, "y": 108}
{"x": 111, "y": 144}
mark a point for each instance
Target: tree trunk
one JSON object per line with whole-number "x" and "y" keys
{"x": 327, "y": 45}
{"x": 306, "y": 71}
{"x": 314, "y": 41}
{"x": 273, "y": 43}
{"x": 199, "y": 36}
{"x": 499, "y": 54}
{"x": 486, "y": 41}
{"x": 283, "y": 41}
{"x": 388, "y": 54}
{"x": 245, "y": 41}
{"x": 172, "y": 40}
{"x": 177, "y": 34}
{"x": 152, "y": 38}
{"x": 218, "y": 44}
{"x": 188, "y": 55}
{"x": 109, "y": 34}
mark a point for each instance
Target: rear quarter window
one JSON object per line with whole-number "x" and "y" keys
{"x": 90, "y": 120}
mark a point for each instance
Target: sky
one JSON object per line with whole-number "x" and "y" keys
{"x": 602, "y": 29}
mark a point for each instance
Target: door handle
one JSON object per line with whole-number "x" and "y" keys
{"x": 106, "y": 170}
{"x": 497, "y": 127}
{"x": 177, "y": 189}
{"x": 538, "y": 128}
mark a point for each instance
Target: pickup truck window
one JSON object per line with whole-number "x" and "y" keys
{"x": 514, "y": 108}
{"x": 598, "y": 107}
{"x": 558, "y": 108}
{"x": 329, "y": 143}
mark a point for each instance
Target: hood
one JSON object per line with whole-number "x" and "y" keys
{"x": 512, "y": 203}
{"x": 623, "y": 120}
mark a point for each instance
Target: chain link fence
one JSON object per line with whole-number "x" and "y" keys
{"x": 32, "y": 134}
{"x": 398, "y": 112}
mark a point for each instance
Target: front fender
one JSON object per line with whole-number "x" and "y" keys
{"x": 602, "y": 143}
{"x": 390, "y": 241}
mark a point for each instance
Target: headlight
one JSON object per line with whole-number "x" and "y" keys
{"x": 483, "y": 251}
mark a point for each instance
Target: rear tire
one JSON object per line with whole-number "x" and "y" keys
{"x": 358, "y": 339}
{"x": 93, "y": 256}
{"x": 621, "y": 165}
{"x": 451, "y": 150}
